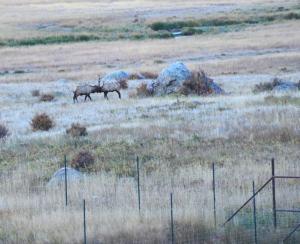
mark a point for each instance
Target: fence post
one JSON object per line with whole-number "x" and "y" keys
{"x": 214, "y": 194}
{"x": 172, "y": 219}
{"x": 138, "y": 182}
{"x": 84, "y": 223}
{"x": 66, "y": 181}
{"x": 274, "y": 194}
{"x": 254, "y": 213}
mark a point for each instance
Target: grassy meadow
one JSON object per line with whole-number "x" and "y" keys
{"x": 49, "y": 47}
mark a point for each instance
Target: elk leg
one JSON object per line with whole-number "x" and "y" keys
{"x": 118, "y": 93}
{"x": 89, "y": 97}
{"x": 105, "y": 95}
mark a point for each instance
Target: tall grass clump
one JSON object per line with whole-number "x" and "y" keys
{"x": 35, "y": 93}
{"x": 3, "y": 131}
{"x": 77, "y": 130}
{"x": 42, "y": 122}
{"x": 47, "y": 97}
{"x": 84, "y": 160}
{"x": 143, "y": 91}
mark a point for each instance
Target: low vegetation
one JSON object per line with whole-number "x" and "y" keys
{"x": 47, "y": 97}
{"x": 197, "y": 84}
{"x": 35, "y": 93}
{"x": 282, "y": 100}
{"x": 123, "y": 84}
{"x": 77, "y": 130}
{"x": 84, "y": 160}
{"x": 3, "y": 131}
{"x": 159, "y": 29}
{"x": 42, "y": 122}
{"x": 221, "y": 21}
{"x": 143, "y": 91}
{"x": 143, "y": 75}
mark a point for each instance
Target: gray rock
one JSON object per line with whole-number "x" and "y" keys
{"x": 116, "y": 76}
{"x": 59, "y": 176}
{"x": 171, "y": 79}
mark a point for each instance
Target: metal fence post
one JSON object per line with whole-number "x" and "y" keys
{"x": 66, "y": 181}
{"x": 172, "y": 219}
{"x": 138, "y": 182}
{"x": 274, "y": 194}
{"x": 254, "y": 213}
{"x": 214, "y": 194}
{"x": 84, "y": 223}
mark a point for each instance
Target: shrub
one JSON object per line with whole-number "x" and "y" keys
{"x": 135, "y": 76}
{"x": 143, "y": 75}
{"x": 3, "y": 132}
{"x": 35, "y": 93}
{"x": 123, "y": 84}
{"x": 163, "y": 34}
{"x": 143, "y": 91}
{"x": 83, "y": 160}
{"x": 46, "y": 97}
{"x": 292, "y": 15}
{"x": 76, "y": 130}
{"x": 189, "y": 31}
{"x": 149, "y": 75}
{"x": 41, "y": 122}
{"x": 266, "y": 86}
{"x": 197, "y": 84}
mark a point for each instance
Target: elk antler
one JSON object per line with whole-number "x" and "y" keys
{"x": 99, "y": 79}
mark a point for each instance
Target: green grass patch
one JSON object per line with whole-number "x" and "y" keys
{"x": 222, "y": 21}
{"x": 48, "y": 40}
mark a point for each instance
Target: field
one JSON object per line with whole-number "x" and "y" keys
{"x": 51, "y": 47}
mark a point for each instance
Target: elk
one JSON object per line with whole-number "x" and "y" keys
{"x": 85, "y": 90}
{"x": 112, "y": 86}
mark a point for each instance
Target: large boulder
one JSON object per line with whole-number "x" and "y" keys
{"x": 171, "y": 79}
{"x": 59, "y": 176}
{"x": 116, "y": 76}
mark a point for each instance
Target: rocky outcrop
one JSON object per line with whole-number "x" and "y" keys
{"x": 59, "y": 176}
{"x": 171, "y": 79}
{"x": 116, "y": 76}
{"x": 177, "y": 78}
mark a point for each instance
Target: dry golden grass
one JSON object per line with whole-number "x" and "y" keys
{"x": 83, "y": 61}
{"x": 176, "y": 138}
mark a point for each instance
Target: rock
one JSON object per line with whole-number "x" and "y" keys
{"x": 116, "y": 76}
{"x": 171, "y": 79}
{"x": 59, "y": 176}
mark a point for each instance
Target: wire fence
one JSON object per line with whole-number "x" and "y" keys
{"x": 136, "y": 210}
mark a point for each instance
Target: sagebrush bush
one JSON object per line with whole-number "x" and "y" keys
{"x": 143, "y": 91}
{"x": 149, "y": 74}
{"x": 123, "y": 84}
{"x": 35, "y": 93}
{"x": 46, "y": 97}
{"x": 77, "y": 130}
{"x": 197, "y": 84}
{"x": 83, "y": 160}
{"x": 41, "y": 122}
{"x": 143, "y": 75}
{"x": 3, "y": 131}
{"x": 266, "y": 86}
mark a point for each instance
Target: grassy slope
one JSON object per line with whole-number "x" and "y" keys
{"x": 176, "y": 141}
